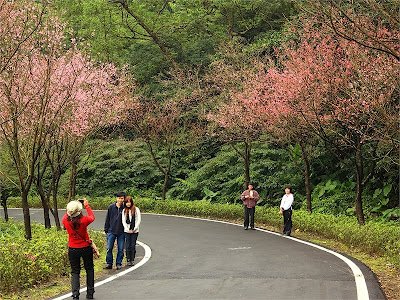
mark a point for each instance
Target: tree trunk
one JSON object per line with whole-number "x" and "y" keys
{"x": 72, "y": 180}
{"x": 46, "y": 210}
{"x": 166, "y": 171}
{"x": 3, "y": 199}
{"x": 165, "y": 186}
{"x": 55, "y": 183}
{"x": 4, "y": 204}
{"x": 247, "y": 150}
{"x": 27, "y": 217}
{"x": 307, "y": 181}
{"x": 359, "y": 176}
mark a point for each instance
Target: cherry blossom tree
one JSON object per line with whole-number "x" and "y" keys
{"x": 94, "y": 96}
{"x": 369, "y": 23}
{"x": 44, "y": 90}
{"x": 19, "y": 22}
{"x": 341, "y": 91}
{"x": 24, "y": 98}
{"x": 262, "y": 95}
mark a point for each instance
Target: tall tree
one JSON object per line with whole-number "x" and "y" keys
{"x": 343, "y": 91}
{"x": 24, "y": 98}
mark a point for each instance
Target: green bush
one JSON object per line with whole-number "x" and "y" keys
{"x": 24, "y": 263}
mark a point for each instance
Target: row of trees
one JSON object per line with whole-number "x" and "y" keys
{"x": 52, "y": 98}
{"x": 328, "y": 77}
{"x": 324, "y": 84}
{"x": 327, "y": 84}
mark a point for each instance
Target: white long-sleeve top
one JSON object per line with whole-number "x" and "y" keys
{"x": 138, "y": 219}
{"x": 287, "y": 201}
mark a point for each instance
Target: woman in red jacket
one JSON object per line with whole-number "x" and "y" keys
{"x": 79, "y": 245}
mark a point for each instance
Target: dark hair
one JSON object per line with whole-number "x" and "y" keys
{"x": 76, "y": 221}
{"x": 132, "y": 208}
{"x": 289, "y": 187}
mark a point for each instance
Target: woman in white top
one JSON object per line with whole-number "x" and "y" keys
{"x": 131, "y": 221}
{"x": 286, "y": 210}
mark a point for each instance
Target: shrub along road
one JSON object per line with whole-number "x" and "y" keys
{"x": 195, "y": 259}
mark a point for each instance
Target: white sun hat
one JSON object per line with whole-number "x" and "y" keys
{"x": 74, "y": 208}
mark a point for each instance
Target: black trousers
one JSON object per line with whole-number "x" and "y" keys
{"x": 287, "y": 221}
{"x": 74, "y": 255}
{"x": 130, "y": 246}
{"x": 249, "y": 216}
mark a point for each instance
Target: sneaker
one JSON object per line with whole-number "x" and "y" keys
{"x": 246, "y": 228}
{"x": 89, "y": 297}
{"x": 108, "y": 267}
{"x": 252, "y": 228}
{"x": 119, "y": 267}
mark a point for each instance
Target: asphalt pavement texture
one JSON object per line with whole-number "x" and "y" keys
{"x": 196, "y": 259}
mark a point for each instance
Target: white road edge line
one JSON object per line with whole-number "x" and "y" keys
{"x": 361, "y": 285}
{"x": 146, "y": 257}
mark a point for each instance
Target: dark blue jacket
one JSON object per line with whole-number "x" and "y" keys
{"x": 113, "y": 222}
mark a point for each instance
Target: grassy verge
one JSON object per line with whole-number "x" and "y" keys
{"x": 38, "y": 268}
{"x": 377, "y": 244}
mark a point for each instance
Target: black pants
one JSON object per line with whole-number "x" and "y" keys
{"x": 287, "y": 221}
{"x": 130, "y": 246}
{"x": 249, "y": 214}
{"x": 74, "y": 255}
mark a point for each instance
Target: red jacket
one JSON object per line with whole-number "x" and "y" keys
{"x": 78, "y": 238}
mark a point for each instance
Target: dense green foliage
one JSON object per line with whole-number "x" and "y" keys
{"x": 214, "y": 172}
{"x": 190, "y": 30}
{"x": 24, "y": 263}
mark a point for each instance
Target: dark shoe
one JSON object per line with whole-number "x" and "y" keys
{"x": 108, "y": 267}
{"x": 119, "y": 267}
{"x": 252, "y": 228}
{"x": 89, "y": 297}
{"x": 130, "y": 263}
{"x": 246, "y": 228}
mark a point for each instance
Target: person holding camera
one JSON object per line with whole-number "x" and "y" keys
{"x": 249, "y": 198}
{"x": 79, "y": 245}
{"x": 115, "y": 231}
{"x": 131, "y": 221}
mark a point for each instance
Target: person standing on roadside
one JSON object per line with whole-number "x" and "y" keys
{"x": 79, "y": 245}
{"x": 249, "y": 198}
{"x": 131, "y": 221}
{"x": 285, "y": 209}
{"x": 115, "y": 231}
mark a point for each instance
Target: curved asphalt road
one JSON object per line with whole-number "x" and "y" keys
{"x": 195, "y": 259}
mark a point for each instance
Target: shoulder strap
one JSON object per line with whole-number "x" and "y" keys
{"x": 77, "y": 233}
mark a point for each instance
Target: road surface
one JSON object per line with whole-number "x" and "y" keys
{"x": 197, "y": 259}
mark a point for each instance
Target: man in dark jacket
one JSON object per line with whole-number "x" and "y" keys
{"x": 115, "y": 231}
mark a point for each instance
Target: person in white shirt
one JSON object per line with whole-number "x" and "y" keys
{"x": 131, "y": 220}
{"x": 286, "y": 210}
